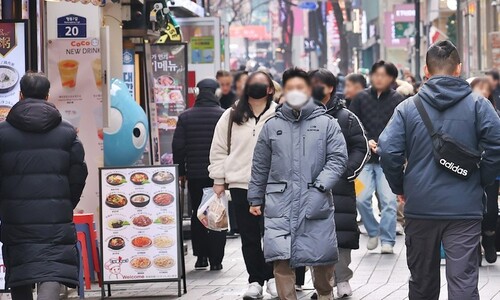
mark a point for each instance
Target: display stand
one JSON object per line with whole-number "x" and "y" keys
{"x": 141, "y": 226}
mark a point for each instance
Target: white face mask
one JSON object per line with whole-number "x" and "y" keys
{"x": 296, "y": 99}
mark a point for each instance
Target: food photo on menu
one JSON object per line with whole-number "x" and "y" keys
{"x": 140, "y": 229}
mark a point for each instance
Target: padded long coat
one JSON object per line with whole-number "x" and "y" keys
{"x": 293, "y": 152}
{"x": 42, "y": 175}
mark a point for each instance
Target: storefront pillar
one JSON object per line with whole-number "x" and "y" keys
{"x": 112, "y": 15}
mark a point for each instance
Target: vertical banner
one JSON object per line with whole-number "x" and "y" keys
{"x": 74, "y": 69}
{"x": 13, "y": 58}
{"x": 129, "y": 70}
{"x": 169, "y": 77}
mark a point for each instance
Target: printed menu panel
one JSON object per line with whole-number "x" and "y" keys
{"x": 140, "y": 224}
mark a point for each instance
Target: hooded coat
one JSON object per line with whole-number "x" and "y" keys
{"x": 431, "y": 192}
{"x": 193, "y": 136}
{"x": 344, "y": 194}
{"x": 43, "y": 174}
{"x": 293, "y": 153}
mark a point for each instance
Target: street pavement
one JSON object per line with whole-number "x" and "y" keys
{"x": 376, "y": 277}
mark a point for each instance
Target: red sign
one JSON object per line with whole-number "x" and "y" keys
{"x": 191, "y": 86}
{"x": 7, "y": 38}
{"x": 251, "y": 32}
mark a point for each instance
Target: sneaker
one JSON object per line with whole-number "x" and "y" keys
{"x": 325, "y": 297}
{"x": 217, "y": 267}
{"x": 490, "y": 251}
{"x": 314, "y": 296}
{"x": 372, "y": 243}
{"x": 344, "y": 289}
{"x": 201, "y": 263}
{"x": 254, "y": 291}
{"x": 271, "y": 288}
{"x": 399, "y": 229}
{"x": 298, "y": 288}
{"x": 387, "y": 249}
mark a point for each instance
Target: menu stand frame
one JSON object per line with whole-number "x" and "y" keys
{"x": 181, "y": 263}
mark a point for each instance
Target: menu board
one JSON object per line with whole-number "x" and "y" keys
{"x": 169, "y": 77}
{"x": 13, "y": 58}
{"x": 140, "y": 228}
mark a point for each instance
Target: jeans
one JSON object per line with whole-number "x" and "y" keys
{"x": 46, "y": 291}
{"x": 460, "y": 240}
{"x": 206, "y": 243}
{"x": 373, "y": 180}
{"x": 251, "y": 230}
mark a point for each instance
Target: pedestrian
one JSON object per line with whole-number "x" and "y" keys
{"x": 344, "y": 194}
{"x": 300, "y": 155}
{"x": 240, "y": 79}
{"x": 227, "y": 96}
{"x": 443, "y": 187}
{"x": 231, "y": 155}
{"x": 191, "y": 150}
{"x": 43, "y": 176}
{"x": 374, "y": 107}
{"x": 494, "y": 77}
{"x": 482, "y": 86}
{"x": 354, "y": 84}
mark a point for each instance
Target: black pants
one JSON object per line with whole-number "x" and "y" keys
{"x": 300, "y": 275}
{"x": 251, "y": 229}
{"x": 460, "y": 240}
{"x": 491, "y": 216}
{"x": 206, "y": 243}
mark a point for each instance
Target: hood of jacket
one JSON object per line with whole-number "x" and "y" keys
{"x": 206, "y": 98}
{"x": 443, "y": 92}
{"x": 33, "y": 115}
{"x": 335, "y": 104}
{"x": 404, "y": 88}
{"x": 309, "y": 111}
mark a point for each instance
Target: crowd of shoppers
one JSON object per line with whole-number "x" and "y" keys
{"x": 315, "y": 159}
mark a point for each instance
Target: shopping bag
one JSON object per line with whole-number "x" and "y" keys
{"x": 212, "y": 212}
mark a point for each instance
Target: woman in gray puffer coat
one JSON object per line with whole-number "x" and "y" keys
{"x": 300, "y": 155}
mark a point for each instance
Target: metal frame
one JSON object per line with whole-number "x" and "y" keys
{"x": 181, "y": 264}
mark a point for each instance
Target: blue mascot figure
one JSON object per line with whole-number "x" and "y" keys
{"x": 127, "y": 134}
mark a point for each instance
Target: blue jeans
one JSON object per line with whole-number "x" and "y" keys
{"x": 373, "y": 179}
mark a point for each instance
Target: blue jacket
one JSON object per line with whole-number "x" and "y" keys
{"x": 432, "y": 193}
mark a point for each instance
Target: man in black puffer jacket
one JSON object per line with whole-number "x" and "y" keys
{"x": 344, "y": 194}
{"x": 43, "y": 176}
{"x": 191, "y": 149}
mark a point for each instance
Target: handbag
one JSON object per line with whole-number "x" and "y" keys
{"x": 452, "y": 156}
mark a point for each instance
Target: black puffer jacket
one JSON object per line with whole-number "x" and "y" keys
{"x": 344, "y": 195}
{"x": 193, "y": 136}
{"x": 42, "y": 178}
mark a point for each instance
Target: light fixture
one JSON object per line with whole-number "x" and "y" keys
{"x": 452, "y": 4}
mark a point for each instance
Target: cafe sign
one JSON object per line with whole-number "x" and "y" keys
{"x": 7, "y": 38}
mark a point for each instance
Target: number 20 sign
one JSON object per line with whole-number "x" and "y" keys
{"x": 71, "y": 26}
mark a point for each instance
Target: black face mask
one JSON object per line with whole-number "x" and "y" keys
{"x": 257, "y": 90}
{"x": 318, "y": 93}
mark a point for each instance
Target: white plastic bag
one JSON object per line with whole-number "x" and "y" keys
{"x": 212, "y": 212}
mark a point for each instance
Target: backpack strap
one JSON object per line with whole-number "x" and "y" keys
{"x": 425, "y": 117}
{"x": 230, "y": 130}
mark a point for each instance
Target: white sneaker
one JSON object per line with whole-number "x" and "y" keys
{"x": 298, "y": 288}
{"x": 344, "y": 289}
{"x": 372, "y": 243}
{"x": 254, "y": 291}
{"x": 271, "y": 288}
{"x": 387, "y": 249}
{"x": 327, "y": 297}
{"x": 399, "y": 229}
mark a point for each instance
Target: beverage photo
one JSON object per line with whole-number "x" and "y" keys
{"x": 68, "y": 69}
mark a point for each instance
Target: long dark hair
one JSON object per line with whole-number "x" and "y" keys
{"x": 243, "y": 111}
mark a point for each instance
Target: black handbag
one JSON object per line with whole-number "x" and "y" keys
{"x": 452, "y": 156}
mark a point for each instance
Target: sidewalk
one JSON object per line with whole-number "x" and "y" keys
{"x": 376, "y": 277}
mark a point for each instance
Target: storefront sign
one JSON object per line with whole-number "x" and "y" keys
{"x": 129, "y": 70}
{"x": 13, "y": 62}
{"x": 202, "y": 50}
{"x": 140, "y": 233}
{"x": 71, "y": 26}
{"x": 399, "y": 25}
{"x": 169, "y": 77}
{"x": 74, "y": 69}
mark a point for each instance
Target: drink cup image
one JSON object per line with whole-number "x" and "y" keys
{"x": 71, "y": 115}
{"x": 98, "y": 117}
{"x": 68, "y": 70}
{"x": 96, "y": 68}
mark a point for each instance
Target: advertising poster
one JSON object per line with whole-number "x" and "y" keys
{"x": 140, "y": 226}
{"x": 74, "y": 69}
{"x": 202, "y": 50}
{"x": 169, "y": 77}
{"x": 13, "y": 57}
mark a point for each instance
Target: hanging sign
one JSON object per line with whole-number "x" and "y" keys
{"x": 71, "y": 26}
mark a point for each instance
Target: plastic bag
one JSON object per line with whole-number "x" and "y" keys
{"x": 212, "y": 212}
